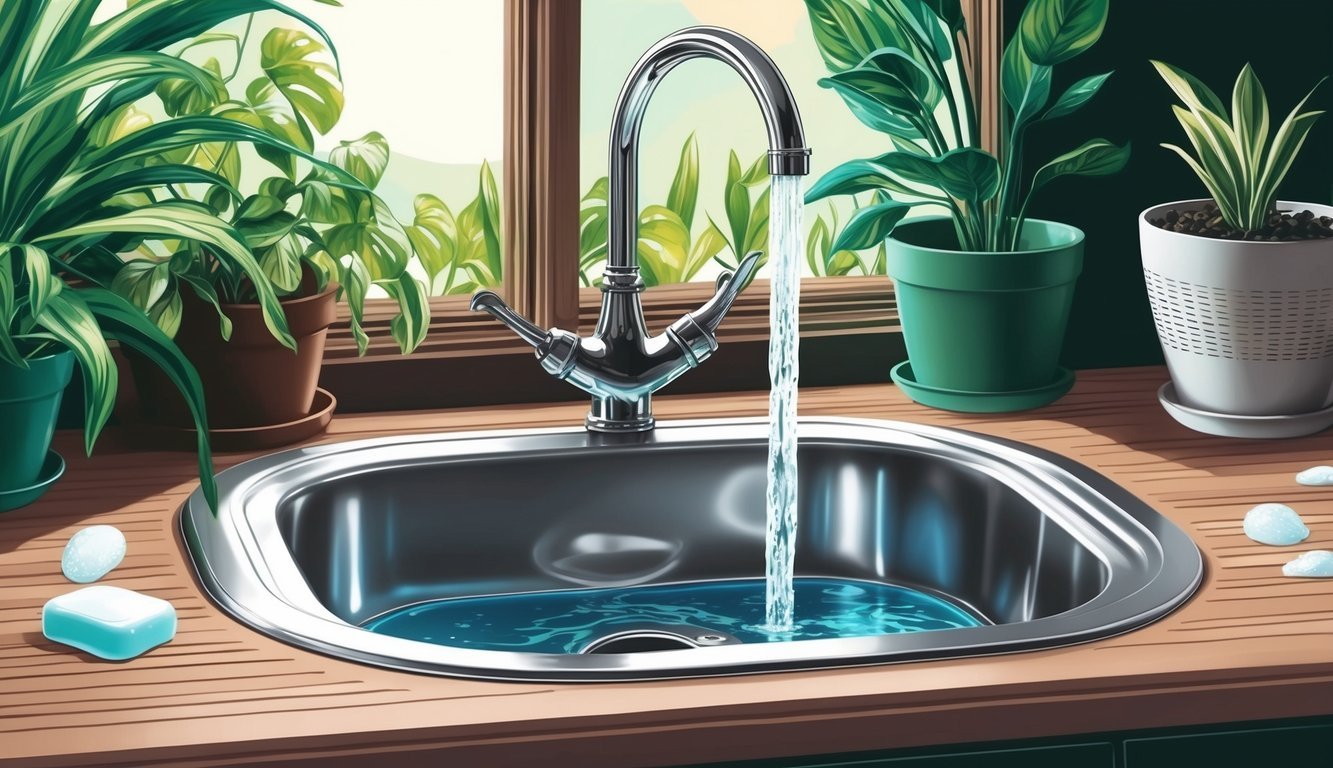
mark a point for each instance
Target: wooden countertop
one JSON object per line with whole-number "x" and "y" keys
{"x": 1250, "y": 645}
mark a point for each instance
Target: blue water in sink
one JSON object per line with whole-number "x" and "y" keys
{"x": 565, "y": 621}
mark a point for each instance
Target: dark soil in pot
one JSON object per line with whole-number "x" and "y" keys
{"x": 1279, "y": 227}
{"x": 249, "y": 381}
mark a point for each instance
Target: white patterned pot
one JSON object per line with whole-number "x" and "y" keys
{"x": 1246, "y": 327}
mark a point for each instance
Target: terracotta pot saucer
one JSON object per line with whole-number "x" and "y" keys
{"x": 239, "y": 439}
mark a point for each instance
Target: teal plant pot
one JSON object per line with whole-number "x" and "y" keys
{"x": 29, "y": 402}
{"x": 986, "y": 325}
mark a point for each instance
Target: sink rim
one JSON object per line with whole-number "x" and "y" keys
{"x": 1157, "y": 566}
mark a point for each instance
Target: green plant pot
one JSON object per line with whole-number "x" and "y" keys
{"x": 29, "y": 402}
{"x": 985, "y": 323}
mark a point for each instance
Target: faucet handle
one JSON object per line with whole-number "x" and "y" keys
{"x": 729, "y": 287}
{"x": 490, "y": 301}
{"x": 695, "y": 333}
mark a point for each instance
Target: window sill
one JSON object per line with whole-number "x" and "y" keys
{"x": 849, "y": 335}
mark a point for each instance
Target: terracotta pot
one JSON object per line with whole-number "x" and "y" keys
{"x": 249, "y": 381}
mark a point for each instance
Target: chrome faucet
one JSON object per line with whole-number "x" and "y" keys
{"x": 620, "y": 365}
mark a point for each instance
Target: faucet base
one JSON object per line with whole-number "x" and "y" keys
{"x": 620, "y": 416}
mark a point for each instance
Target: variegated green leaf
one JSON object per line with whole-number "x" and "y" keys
{"x": 299, "y": 66}
{"x": 1053, "y": 31}
{"x": 365, "y": 158}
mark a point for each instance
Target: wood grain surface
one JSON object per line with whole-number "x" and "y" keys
{"x": 1251, "y": 645}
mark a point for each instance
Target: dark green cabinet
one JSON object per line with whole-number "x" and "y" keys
{"x": 1247, "y": 748}
{"x": 1234, "y": 745}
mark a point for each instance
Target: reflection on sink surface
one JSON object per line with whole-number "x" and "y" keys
{"x": 311, "y": 543}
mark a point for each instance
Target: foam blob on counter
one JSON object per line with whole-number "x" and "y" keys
{"x": 92, "y": 553}
{"x": 1314, "y": 565}
{"x": 1321, "y": 475}
{"x": 1276, "y": 524}
{"x": 109, "y": 622}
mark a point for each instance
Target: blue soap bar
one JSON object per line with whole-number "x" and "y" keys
{"x": 109, "y": 622}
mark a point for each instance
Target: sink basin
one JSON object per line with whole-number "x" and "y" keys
{"x": 311, "y": 543}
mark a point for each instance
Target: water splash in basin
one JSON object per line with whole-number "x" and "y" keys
{"x": 565, "y": 621}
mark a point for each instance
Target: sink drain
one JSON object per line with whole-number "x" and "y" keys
{"x": 649, "y": 639}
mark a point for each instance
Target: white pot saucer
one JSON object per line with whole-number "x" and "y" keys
{"x": 1230, "y": 425}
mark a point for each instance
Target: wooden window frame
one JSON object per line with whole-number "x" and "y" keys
{"x": 849, "y": 325}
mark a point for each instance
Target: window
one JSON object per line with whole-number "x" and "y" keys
{"x": 555, "y": 149}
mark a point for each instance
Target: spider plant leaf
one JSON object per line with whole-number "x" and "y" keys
{"x": 189, "y": 221}
{"x": 365, "y": 158}
{"x": 69, "y": 321}
{"x": 1076, "y": 96}
{"x": 684, "y": 192}
{"x": 295, "y": 63}
{"x": 663, "y": 247}
{"x": 1249, "y": 113}
{"x": 1286, "y": 144}
{"x": 1052, "y": 31}
{"x": 73, "y": 80}
{"x": 67, "y": 205}
{"x": 1221, "y": 194}
{"x": 42, "y": 286}
{"x": 180, "y": 96}
{"x": 157, "y": 24}
{"x": 869, "y": 226}
{"x": 1197, "y": 96}
{"x": 128, "y": 325}
{"x": 854, "y": 177}
{"x": 410, "y": 325}
{"x": 1097, "y": 157}
{"x": 18, "y": 24}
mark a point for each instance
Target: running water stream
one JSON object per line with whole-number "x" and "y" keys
{"x": 785, "y": 210}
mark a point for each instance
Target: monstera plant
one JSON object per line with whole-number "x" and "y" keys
{"x": 71, "y": 187}
{"x": 984, "y": 293}
{"x": 315, "y": 231}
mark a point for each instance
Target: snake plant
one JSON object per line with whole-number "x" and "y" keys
{"x": 70, "y": 184}
{"x": 1234, "y": 158}
{"x": 900, "y": 65}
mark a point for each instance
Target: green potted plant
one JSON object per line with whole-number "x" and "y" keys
{"x": 984, "y": 293}
{"x": 316, "y": 231}
{"x": 1241, "y": 284}
{"x": 67, "y": 200}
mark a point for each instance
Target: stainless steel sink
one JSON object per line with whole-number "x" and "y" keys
{"x": 312, "y": 542}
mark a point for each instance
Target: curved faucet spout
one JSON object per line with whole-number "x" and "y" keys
{"x": 621, "y": 365}
{"x": 787, "y": 151}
